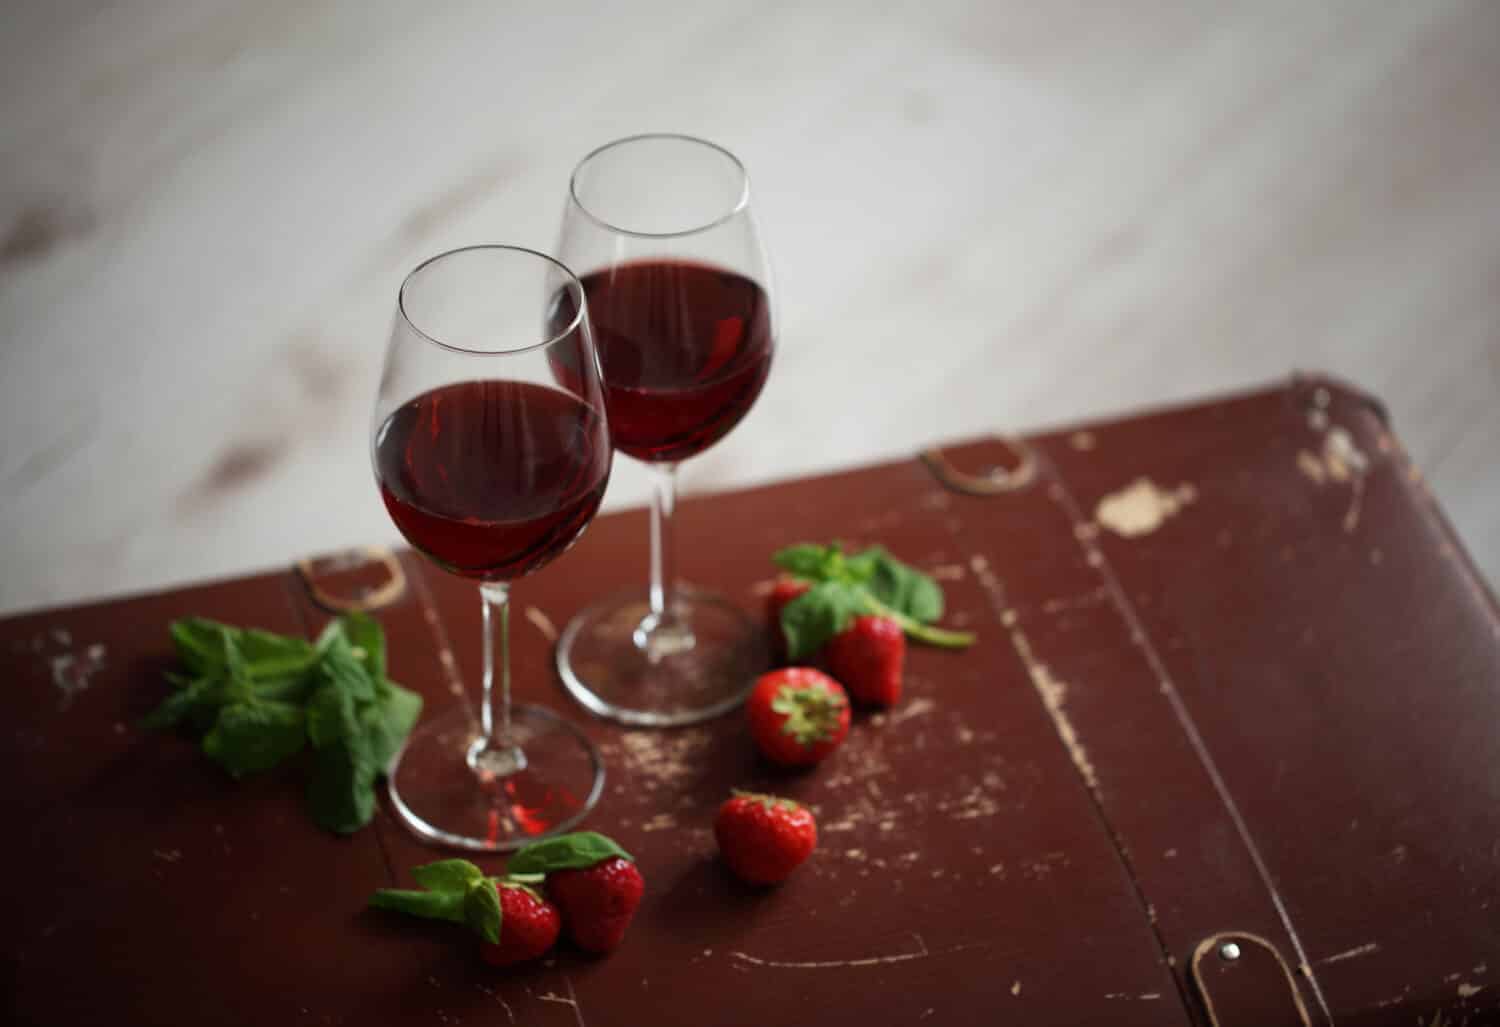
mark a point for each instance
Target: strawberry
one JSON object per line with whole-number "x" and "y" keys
{"x": 797, "y": 715}
{"x": 867, "y": 657}
{"x": 597, "y": 902}
{"x": 529, "y": 925}
{"x": 783, "y": 591}
{"x": 764, "y": 838}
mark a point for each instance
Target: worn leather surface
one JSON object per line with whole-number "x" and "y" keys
{"x": 1256, "y": 694}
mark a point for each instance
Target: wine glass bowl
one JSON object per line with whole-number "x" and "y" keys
{"x": 491, "y": 465}
{"x": 678, "y": 292}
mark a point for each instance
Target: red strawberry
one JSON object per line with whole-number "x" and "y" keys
{"x": 867, "y": 658}
{"x": 798, "y": 715}
{"x": 528, "y": 926}
{"x": 597, "y": 902}
{"x": 764, "y": 838}
{"x": 782, "y": 592}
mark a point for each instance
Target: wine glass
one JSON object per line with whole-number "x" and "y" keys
{"x": 492, "y": 466}
{"x": 679, "y": 292}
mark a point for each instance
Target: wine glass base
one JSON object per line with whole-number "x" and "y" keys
{"x": 436, "y": 792}
{"x": 609, "y": 664}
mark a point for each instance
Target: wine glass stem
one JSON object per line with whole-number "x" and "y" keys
{"x": 495, "y": 751}
{"x": 663, "y": 632}
{"x": 663, "y": 549}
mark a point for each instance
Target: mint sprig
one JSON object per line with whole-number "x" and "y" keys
{"x": 846, "y": 586}
{"x": 452, "y": 889}
{"x": 576, "y": 851}
{"x": 259, "y": 698}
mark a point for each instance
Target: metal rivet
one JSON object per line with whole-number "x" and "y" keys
{"x": 1229, "y": 951}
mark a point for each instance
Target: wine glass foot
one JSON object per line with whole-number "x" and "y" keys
{"x": 490, "y": 805}
{"x": 619, "y": 663}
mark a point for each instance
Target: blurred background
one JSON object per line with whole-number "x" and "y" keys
{"x": 984, "y": 216}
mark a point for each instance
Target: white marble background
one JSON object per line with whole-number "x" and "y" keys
{"x": 985, "y": 215}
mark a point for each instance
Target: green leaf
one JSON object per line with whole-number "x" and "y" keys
{"x": 432, "y": 905}
{"x": 387, "y": 721}
{"x": 904, "y": 588}
{"x": 812, "y": 714}
{"x": 234, "y": 660}
{"x": 343, "y": 669}
{"x": 363, "y": 632}
{"x": 198, "y": 700}
{"x": 268, "y": 655}
{"x": 861, "y": 567}
{"x": 806, "y": 560}
{"x": 578, "y": 850}
{"x": 251, "y": 737}
{"x": 482, "y": 911}
{"x": 341, "y": 791}
{"x": 330, "y": 715}
{"x": 292, "y": 689}
{"x": 447, "y": 875}
{"x": 818, "y": 614}
{"x": 200, "y": 644}
{"x": 334, "y": 629}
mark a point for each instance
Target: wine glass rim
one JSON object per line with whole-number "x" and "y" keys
{"x": 739, "y": 205}
{"x": 574, "y": 287}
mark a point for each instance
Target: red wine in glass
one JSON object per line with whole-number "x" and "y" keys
{"x": 492, "y": 479}
{"x": 490, "y": 467}
{"x": 678, "y": 292}
{"x": 685, "y": 348}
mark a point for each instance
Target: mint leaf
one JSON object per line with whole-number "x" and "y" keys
{"x": 364, "y": 633}
{"x": 269, "y": 655}
{"x": 456, "y": 890}
{"x": 868, "y": 582}
{"x": 200, "y": 644}
{"x": 818, "y": 614}
{"x": 806, "y": 560}
{"x": 259, "y": 696}
{"x": 199, "y": 701}
{"x": 251, "y": 737}
{"x": 334, "y": 629}
{"x": 448, "y": 875}
{"x": 330, "y": 715}
{"x": 431, "y": 905}
{"x": 387, "y": 721}
{"x": 903, "y": 588}
{"x": 482, "y": 911}
{"x": 340, "y": 667}
{"x": 293, "y": 689}
{"x": 575, "y": 851}
{"x": 341, "y": 791}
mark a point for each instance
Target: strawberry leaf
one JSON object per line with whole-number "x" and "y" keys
{"x": 576, "y": 851}
{"x": 812, "y": 714}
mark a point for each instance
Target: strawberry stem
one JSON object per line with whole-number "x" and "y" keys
{"x": 916, "y": 629}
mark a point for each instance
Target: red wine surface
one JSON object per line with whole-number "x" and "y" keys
{"x": 491, "y": 479}
{"x": 685, "y": 350}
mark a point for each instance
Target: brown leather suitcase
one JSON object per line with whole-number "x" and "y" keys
{"x": 1227, "y": 751}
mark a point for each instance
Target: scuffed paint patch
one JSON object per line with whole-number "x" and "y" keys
{"x": 72, "y": 672}
{"x": 1339, "y": 461}
{"x": 1142, "y": 507}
